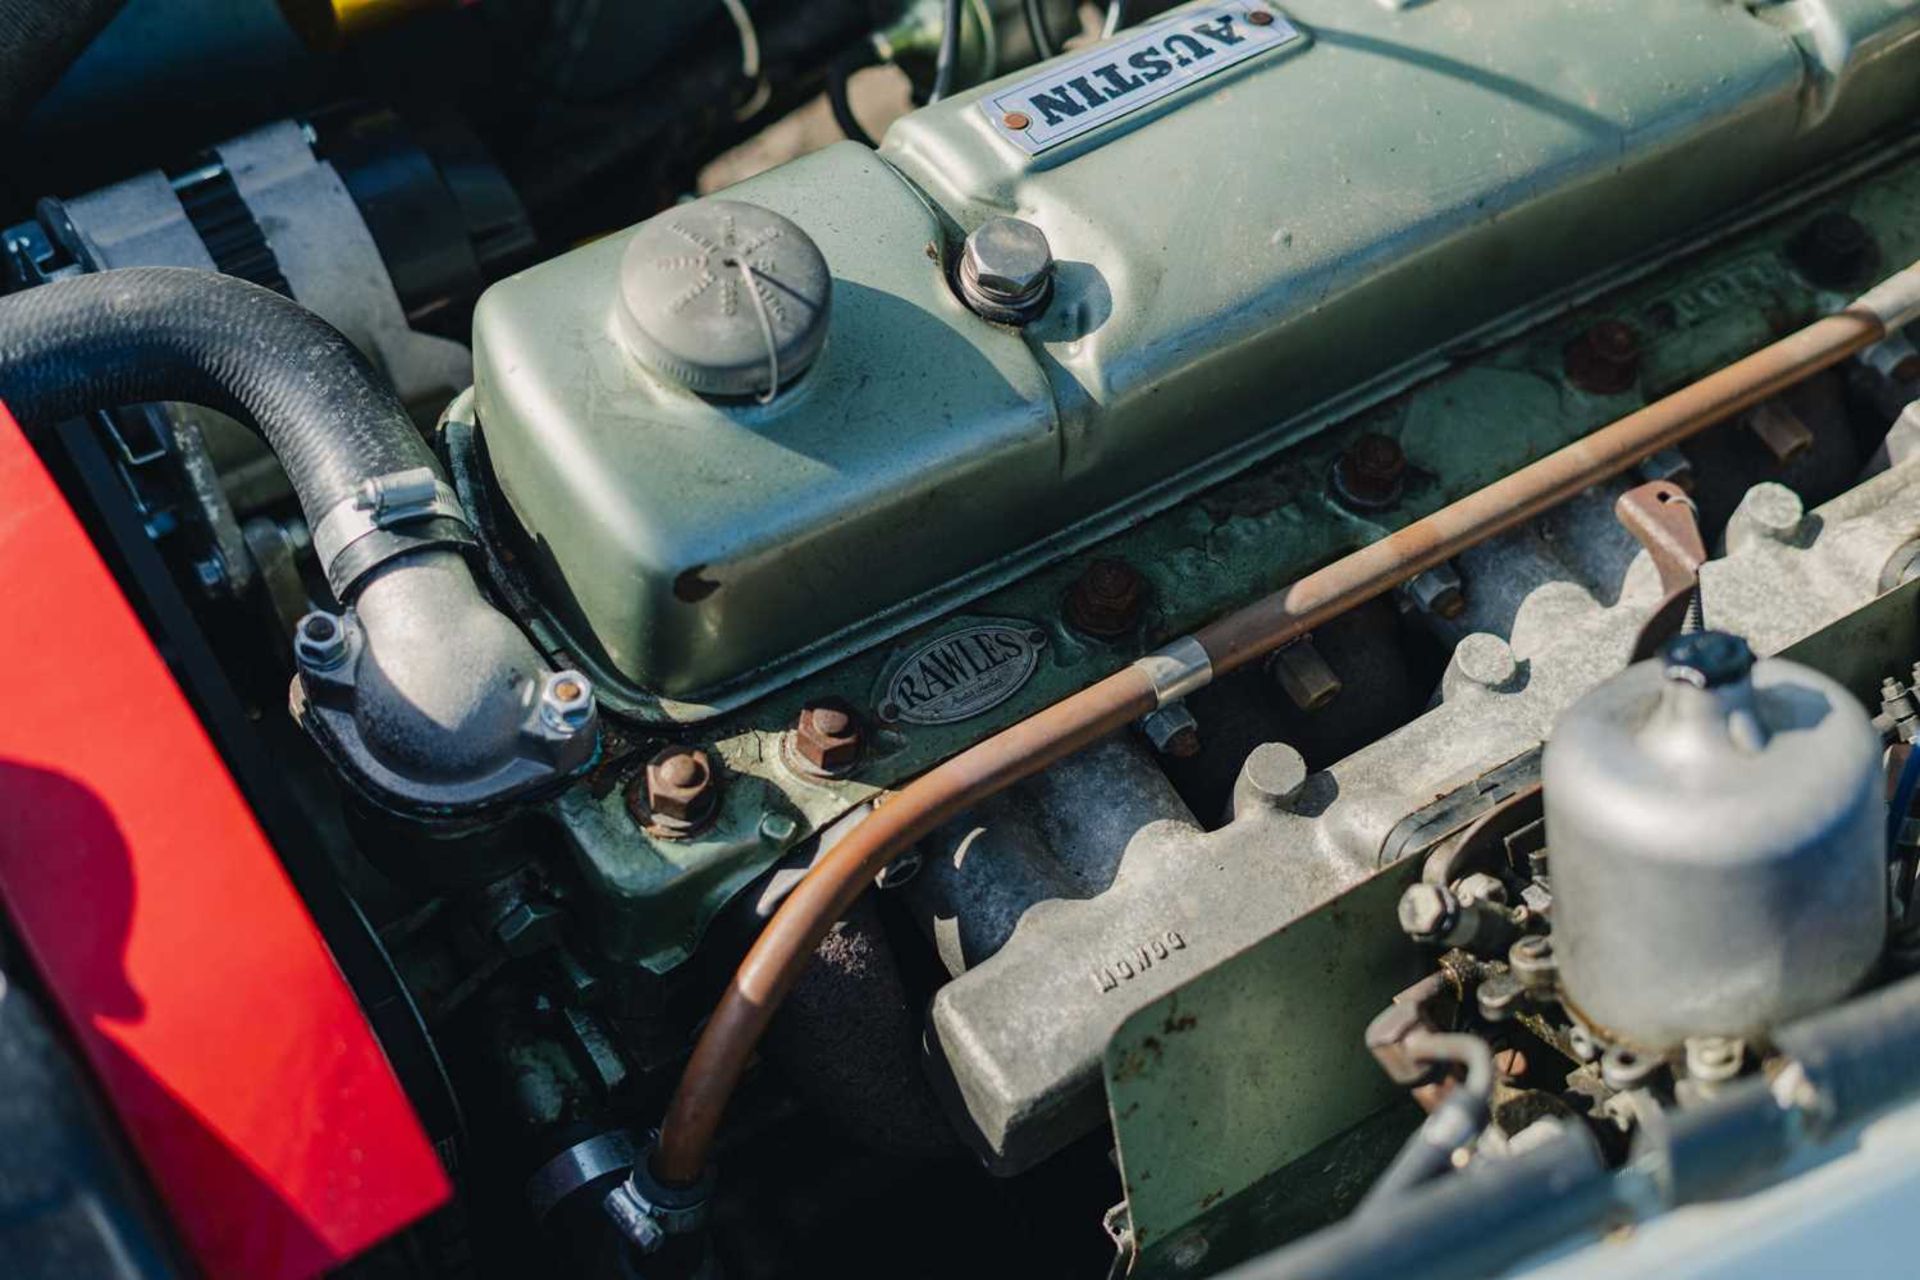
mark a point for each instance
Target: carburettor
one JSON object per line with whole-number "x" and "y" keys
{"x": 1718, "y": 854}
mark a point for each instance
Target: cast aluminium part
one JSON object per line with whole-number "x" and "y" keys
{"x": 933, "y": 457}
{"x": 1032, "y": 1002}
{"x": 722, "y": 1051}
{"x": 724, "y": 298}
{"x": 442, "y": 708}
{"x": 1718, "y": 853}
{"x": 435, "y": 712}
{"x": 1006, "y": 270}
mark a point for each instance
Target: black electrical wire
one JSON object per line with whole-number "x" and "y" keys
{"x": 1037, "y": 27}
{"x": 838, "y": 100}
{"x": 948, "y": 58}
{"x": 1460, "y": 1117}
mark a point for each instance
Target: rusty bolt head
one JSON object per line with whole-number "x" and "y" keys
{"x": 677, "y": 794}
{"x": 1605, "y": 360}
{"x": 1370, "y": 474}
{"x": 1106, "y": 599}
{"x": 1016, "y": 120}
{"x": 826, "y": 738}
{"x": 1260, "y": 18}
{"x": 1834, "y": 251}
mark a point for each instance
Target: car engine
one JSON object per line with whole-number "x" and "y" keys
{"x": 954, "y": 637}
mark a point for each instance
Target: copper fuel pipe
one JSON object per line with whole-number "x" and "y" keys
{"x": 784, "y": 948}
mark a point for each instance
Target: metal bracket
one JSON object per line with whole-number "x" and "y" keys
{"x": 1177, "y": 670}
{"x": 1663, "y": 519}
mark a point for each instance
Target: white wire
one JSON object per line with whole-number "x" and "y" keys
{"x": 766, "y": 331}
{"x": 749, "y": 37}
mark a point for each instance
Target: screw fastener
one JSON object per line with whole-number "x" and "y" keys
{"x": 1172, "y": 730}
{"x": 1605, "y": 360}
{"x": 826, "y": 739}
{"x": 1371, "y": 474}
{"x": 320, "y": 641}
{"x": 1006, "y": 271}
{"x": 1428, "y": 912}
{"x": 1105, "y": 601}
{"x": 677, "y": 795}
{"x": 566, "y": 702}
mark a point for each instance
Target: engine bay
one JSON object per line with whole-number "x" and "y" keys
{"x": 939, "y": 637}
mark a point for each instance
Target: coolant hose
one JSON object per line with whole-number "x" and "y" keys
{"x": 39, "y": 39}
{"x": 145, "y": 334}
{"x": 429, "y": 698}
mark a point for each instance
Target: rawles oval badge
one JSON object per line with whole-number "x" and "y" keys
{"x": 961, "y": 673}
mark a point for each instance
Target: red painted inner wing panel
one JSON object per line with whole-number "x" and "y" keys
{"x": 187, "y": 967}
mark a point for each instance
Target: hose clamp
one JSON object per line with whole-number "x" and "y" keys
{"x": 385, "y": 502}
{"x": 647, "y": 1211}
{"x": 580, "y": 1165}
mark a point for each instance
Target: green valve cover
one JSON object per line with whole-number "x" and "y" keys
{"x": 1243, "y": 255}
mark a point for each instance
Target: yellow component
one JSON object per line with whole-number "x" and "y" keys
{"x": 326, "y": 24}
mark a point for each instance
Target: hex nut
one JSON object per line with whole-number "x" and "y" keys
{"x": 566, "y": 702}
{"x": 1835, "y": 251}
{"x": 826, "y": 739}
{"x": 1428, "y": 912}
{"x": 1437, "y": 592}
{"x": 1531, "y": 960}
{"x": 677, "y": 794}
{"x": 1172, "y": 730}
{"x": 1006, "y": 270}
{"x": 1670, "y": 465}
{"x": 1604, "y": 360}
{"x": 320, "y": 641}
{"x": 1106, "y": 599}
{"x": 1707, "y": 659}
{"x": 1371, "y": 474}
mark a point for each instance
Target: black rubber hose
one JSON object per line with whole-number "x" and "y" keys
{"x": 839, "y": 101}
{"x": 144, "y": 334}
{"x": 1459, "y": 1118}
{"x": 1043, "y": 44}
{"x": 39, "y": 39}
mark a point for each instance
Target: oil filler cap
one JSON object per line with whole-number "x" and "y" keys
{"x": 725, "y": 298}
